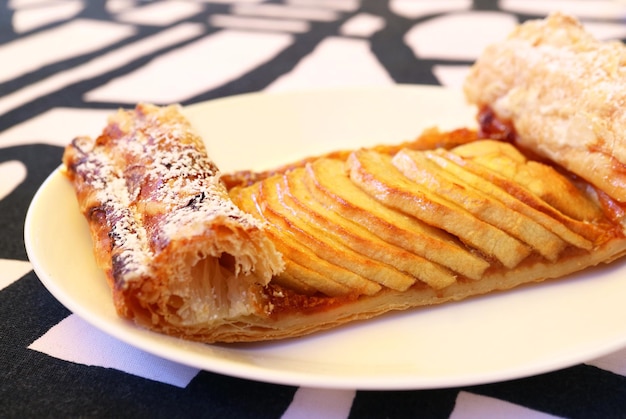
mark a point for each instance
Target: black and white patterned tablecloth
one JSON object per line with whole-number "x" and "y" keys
{"x": 65, "y": 64}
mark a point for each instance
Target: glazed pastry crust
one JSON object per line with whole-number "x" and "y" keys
{"x": 188, "y": 257}
{"x": 178, "y": 255}
{"x": 354, "y": 234}
{"x": 563, "y": 91}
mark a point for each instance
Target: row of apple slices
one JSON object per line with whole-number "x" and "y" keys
{"x": 375, "y": 220}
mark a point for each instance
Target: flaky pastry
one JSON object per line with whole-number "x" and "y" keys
{"x": 213, "y": 257}
{"x": 167, "y": 236}
{"x": 563, "y": 92}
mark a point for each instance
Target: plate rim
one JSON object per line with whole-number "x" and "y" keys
{"x": 127, "y": 332}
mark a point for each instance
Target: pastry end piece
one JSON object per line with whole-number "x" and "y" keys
{"x": 179, "y": 256}
{"x": 559, "y": 92}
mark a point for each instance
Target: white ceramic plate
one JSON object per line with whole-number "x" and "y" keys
{"x": 502, "y": 336}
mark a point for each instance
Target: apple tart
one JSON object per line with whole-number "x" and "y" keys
{"x": 192, "y": 252}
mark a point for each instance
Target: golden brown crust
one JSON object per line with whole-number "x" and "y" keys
{"x": 178, "y": 254}
{"x": 408, "y": 202}
{"x": 298, "y": 318}
{"x": 358, "y": 233}
{"x": 563, "y": 92}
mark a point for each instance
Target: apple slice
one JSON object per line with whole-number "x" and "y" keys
{"x": 304, "y": 271}
{"x": 328, "y": 182}
{"x": 359, "y": 239}
{"x": 417, "y": 167}
{"x": 376, "y": 174}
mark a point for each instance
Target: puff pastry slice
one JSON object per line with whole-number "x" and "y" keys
{"x": 179, "y": 256}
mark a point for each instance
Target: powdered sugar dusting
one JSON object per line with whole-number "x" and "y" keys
{"x": 151, "y": 176}
{"x": 127, "y": 236}
{"x": 564, "y": 91}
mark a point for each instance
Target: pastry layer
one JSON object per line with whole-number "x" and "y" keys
{"x": 563, "y": 92}
{"x": 177, "y": 253}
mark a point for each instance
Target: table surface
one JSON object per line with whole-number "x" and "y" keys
{"x": 66, "y": 64}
